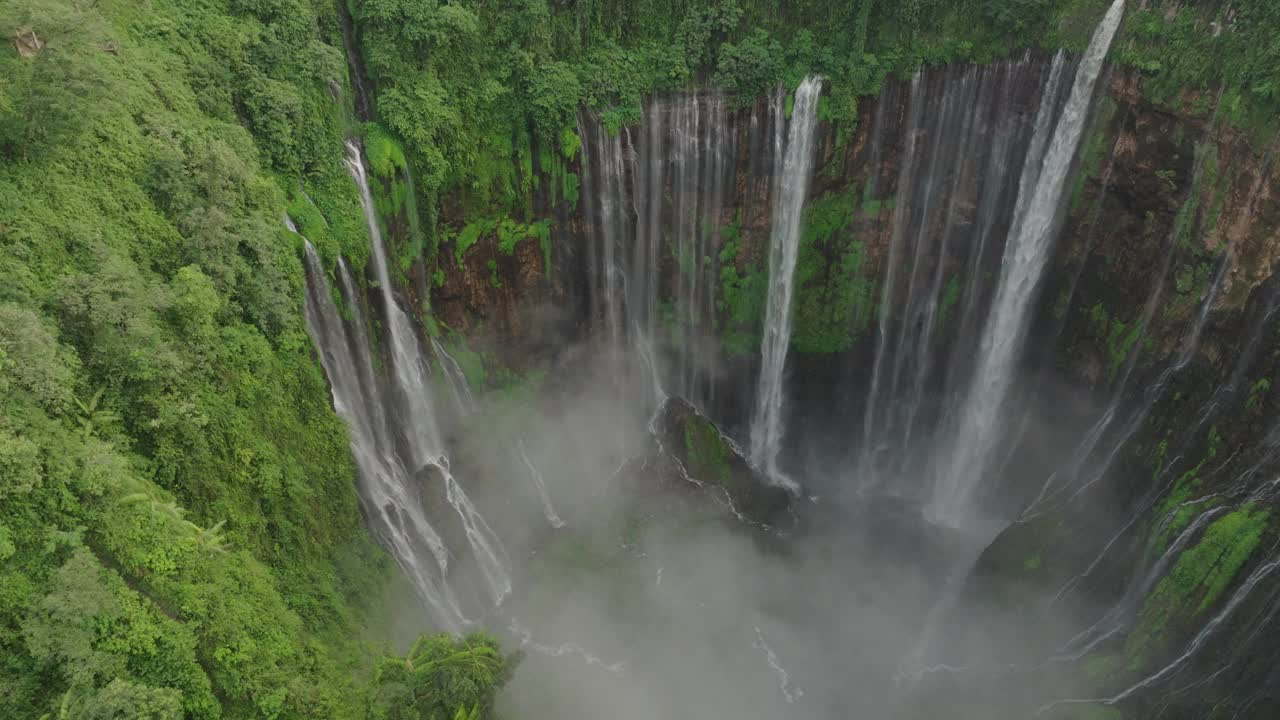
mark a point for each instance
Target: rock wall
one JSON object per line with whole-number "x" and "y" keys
{"x": 1153, "y": 342}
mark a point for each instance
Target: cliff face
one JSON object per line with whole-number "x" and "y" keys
{"x": 1151, "y": 347}
{"x": 1158, "y": 198}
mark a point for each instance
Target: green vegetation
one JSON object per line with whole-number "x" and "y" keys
{"x": 179, "y": 531}
{"x": 442, "y": 678}
{"x": 1182, "y": 515}
{"x": 1118, "y": 337}
{"x": 706, "y": 450}
{"x": 1177, "y": 501}
{"x": 1097, "y": 146}
{"x": 471, "y": 362}
{"x": 742, "y": 296}
{"x": 476, "y": 90}
{"x": 509, "y": 233}
{"x": 1189, "y": 52}
{"x": 1199, "y": 577}
{"x": 835, "y": 294}
{"x": 1258, "y": 393}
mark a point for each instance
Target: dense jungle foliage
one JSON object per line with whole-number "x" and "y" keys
{"x": 476, "y": 90}
{"x": 179, "y": 531}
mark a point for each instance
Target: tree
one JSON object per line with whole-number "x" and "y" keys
{"x": 442, "y": 678}
{"x": 120, "y": 700}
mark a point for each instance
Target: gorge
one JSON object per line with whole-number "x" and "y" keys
{"x": 398, "y": 359}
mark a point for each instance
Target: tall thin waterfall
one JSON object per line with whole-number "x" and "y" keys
{"x": 784, "y": 248}
{"x": 391, "y": 500}
{"x": 1026, "y": 253}
{"x": 540, "y": 486}
{"x": 422, "y": 437}
{"x": 394, "y": 434}
{"x": 455, "y": 378}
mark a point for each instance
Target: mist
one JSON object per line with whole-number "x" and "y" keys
{"x": 655, "y": 599}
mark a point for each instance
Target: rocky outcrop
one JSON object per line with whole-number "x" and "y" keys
{"x": 706, "y": 460}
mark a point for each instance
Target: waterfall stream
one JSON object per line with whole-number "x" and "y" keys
{"x": 654, "y": 199}
{"x": 391, "y": 501}
{"x": 395, "y": 436}
{"x": 948, "y": 176}
{"x": 1026, "y": 253}
{"x": 790, "y": 193}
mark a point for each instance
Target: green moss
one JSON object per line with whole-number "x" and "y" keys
{"x": 1200, "y": 576}
{"x": 1118, "y": 338}
{"x": 383, "y": 152}
{"x": 469, "y": 236}
{"x": 1159, "y": 453}
{"x": 509, "y": 233}
{"x": 1182, "y": 515}
{"x": 707, "y": 452}
{"x": 494, "y": 280}
{"x": 1102, "y": 667}
{"x": 472, "y": 363}
{"x": 569, "y": 186}
{"x": 311, "y": 224}
{"x": 327, "y": 211}
{"x": 1096, "y": 149}
{"x": 1032, "y": 563}
{"x": 1182, "y": 490}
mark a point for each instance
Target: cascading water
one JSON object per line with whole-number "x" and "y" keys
{"x": 395, "y": 436}
{"x": 540, "y": 486}
{"x": 1026, "y": 252}
{"x": 459, "y": 388}
{"x": 391, "y": 501}
{"x": 949, "y": 176}
{"x": 421, "y": 435}
{"x": 981, "y": 157}
{"x": 789, "y": 196}
{"x": 654, "y": 199}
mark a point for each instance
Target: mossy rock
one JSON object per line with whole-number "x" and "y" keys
{"x": 710, "y": 458}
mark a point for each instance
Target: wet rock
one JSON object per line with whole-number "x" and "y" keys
{"x": 697, "y": 455}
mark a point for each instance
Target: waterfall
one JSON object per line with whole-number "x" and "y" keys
{"x": 540, "y": 486}
{"x": 422, "y": 437}
{"x": 784, "y": 248}
{"x": 394, "y": 433}
{"x": 653, "y": 199}
{"x": 456, "y": 379}
{"x": 391, "y": 501}
{"x": 606, "y": 174}
{"x": 1025, "y": 256}
{"x": 963, "y": 128}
